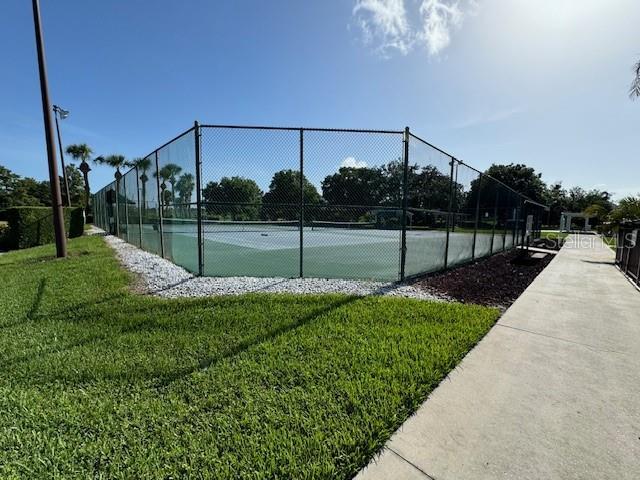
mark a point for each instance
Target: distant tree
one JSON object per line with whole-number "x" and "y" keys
{"x": 16, "y": 191}
{"x": 115, "y": 161}
{"x": 392, "y": 175}
{"x": 83, "y": 153}
{"x": 235, "y": 198}
{"x": 597, "y": 212}
{"x": 164, "y": 196}
{"x": 76, "y": 184}
{"x": 579, "y": 199}
{"x": 32, "y": 192}
{"x": 285, "y": 189}
{"x": 143, "y": 165}
{"x": 524, "y": 180}
{"x": 634, "y": 89}
{"x": 521, "y": 178}
{"x": 555, "y": 197}
{"x": 627, "y": 209}
{"x": 353, "y": 186}
{"x": 185, "y": 186}
{"x": 429, "y": 189}
{"x": 8, "y": 181}
{"x": 170, "y": 173}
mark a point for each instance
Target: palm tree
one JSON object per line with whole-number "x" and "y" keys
{"x": 142, "y": 164}
{"x": 185, "y": 186}
{"x": 634, "y": 90}
{"x": 82, "y": 152}
{"x": 169, "y": 173}
{"x": 115, "y": 161}
{"x": 163, "y": 175}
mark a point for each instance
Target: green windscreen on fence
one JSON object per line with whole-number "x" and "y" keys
{"x": 177, "y": 177}
{"x": 252, "y": 175}
{"x": 150, "y": 209}
{"x": 353, "y": 219}
{"x": 429, "y": 206}
{"x": 306, "y": 202}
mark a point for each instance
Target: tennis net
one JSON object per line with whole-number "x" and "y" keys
{"x": 187, "y": 225}
{"x": 328, "y": 225}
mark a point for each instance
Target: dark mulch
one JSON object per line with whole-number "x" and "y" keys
{"x": 495, "y": 281}
{"x": 548, "y": 243}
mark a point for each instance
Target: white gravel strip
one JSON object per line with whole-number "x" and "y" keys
{"x": 162, "y": 278}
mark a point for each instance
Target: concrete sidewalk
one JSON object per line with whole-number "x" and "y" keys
{"x": 552, "y": 391}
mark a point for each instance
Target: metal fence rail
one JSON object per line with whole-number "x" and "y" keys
{"x": 628, "y": 250}
{"x": 312, "y": 202}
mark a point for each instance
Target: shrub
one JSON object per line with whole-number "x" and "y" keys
{"x": 32, "y": 226}
{"x": 4, "y": 228}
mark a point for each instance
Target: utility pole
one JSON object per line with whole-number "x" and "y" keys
{"x": 56, "y": 200}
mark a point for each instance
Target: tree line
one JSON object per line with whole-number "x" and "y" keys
{"x": 18, "y": 191}
{"x": 351, "y": 193}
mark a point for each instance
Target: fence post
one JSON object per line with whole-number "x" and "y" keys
{"x": 140, "y": 208}
{"x": 495, "y": 220}
{"x": 455, "y": 204}
{"x": 523, "y": 228}
{"x": 627, "y": 249}
{"x": 405, "y": 200}
{"x": 637, "y": 246}
{"x": 126, "y": 206}
{"x": 506, "y": 225}
{"x": 619, "y": 247}
{"x": 301, "y": 205}
{"x": 517, "y": 224}
{"x": 446, "y": 245}
{"x": 198, "y": 160}
{"x": 475, "y": 228}
{"x": 117, "y": 215}
{"x": 160, "y": 201}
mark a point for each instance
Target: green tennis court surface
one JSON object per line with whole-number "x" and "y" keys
{"x": 345, "y": 251}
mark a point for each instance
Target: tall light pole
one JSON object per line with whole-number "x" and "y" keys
{"x": 63, "y": 114}
{"x": 56, "y": 200}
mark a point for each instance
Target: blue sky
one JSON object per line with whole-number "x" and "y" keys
{"x": 492, "y": 81}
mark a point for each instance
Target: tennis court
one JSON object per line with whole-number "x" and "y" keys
{"x": 308, "y": 202}
{"x": 344, "y": 251}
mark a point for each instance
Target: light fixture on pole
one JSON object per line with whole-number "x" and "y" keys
{"x": 63, "y": 114}
{"x": 56, "y": 200}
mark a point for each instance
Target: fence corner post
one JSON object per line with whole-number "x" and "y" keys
{"x": 301, "y": 206}
{"x": 198, "y": 160}
{"x": 477, "y": 221}
{"x": 405, "y": 202}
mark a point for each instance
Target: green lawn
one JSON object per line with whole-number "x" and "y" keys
{"x": 612, "y": 242}
{"x": 97, "y": 382}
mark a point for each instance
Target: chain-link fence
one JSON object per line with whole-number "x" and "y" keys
{"x": 308, "y": 202}
{"x": 628, "y": 250}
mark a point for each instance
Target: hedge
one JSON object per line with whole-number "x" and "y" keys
{"x": 33, "y": 226}
{"x": 4, "y": 228}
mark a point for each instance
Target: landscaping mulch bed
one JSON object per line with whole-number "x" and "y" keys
{"x": 549, "y": 243}
{"x": 494, "y": 281}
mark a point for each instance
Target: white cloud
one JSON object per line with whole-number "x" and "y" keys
{"x": 351, "y": 162}
{"x": 386, "y": 25}
{"x": 438, "y": 19}
{"x": 385, "y": 22}
{"x": 485, "y": 118}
